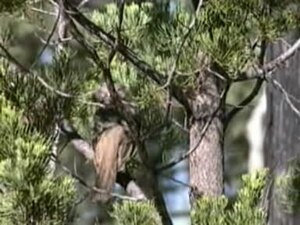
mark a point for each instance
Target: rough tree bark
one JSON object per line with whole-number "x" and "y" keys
{"x": 282, "y": 131}
{"x": 206, "y": 136}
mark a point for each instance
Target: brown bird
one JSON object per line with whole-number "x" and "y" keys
{"x": 112, "y": 151}
{"x": 112, "y": 146}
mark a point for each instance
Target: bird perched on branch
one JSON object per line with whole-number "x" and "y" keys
{"x": 112, "y": 144}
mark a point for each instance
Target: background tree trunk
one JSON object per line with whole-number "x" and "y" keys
{"x": 282, "y": 125}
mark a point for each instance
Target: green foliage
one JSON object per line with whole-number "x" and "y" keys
{"x": 11, "y": 5}
{"x": 135, "y": 213}
{"x": 206, "y": 210}
{"x": 229, "y": 29}
{"x": 28, "y": 191}
{"x": 217, "y": 33}
{"x": 287, "y": 188}
{"x": 41, "y": 105}
{"x": 246, "y": 211}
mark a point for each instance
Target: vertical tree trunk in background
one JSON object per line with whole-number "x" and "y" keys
{"x": 206, "y": 162}
{"x": 282, "y": 142}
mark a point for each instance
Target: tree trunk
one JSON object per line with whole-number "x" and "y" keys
{"x": 206, "y": 137}
{"x": 282, "y": 126}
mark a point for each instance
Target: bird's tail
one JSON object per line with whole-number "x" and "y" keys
{"x": 108, "y": 160}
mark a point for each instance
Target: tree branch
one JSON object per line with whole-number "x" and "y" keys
{"x": 243, "y": 103}
{"x": 127, "y": 53}
{"x": 276, "y": 84}
{"x": 254, "y": 91}
{"x": 268, "y": 69}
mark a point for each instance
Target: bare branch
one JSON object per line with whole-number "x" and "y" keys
{"x": 200, "y": 3}
{"x": 274, "y": 64}
{"x": 43, "y": 11}
{"x": 268, "y": 69}
{"x": 48, "y": 39}
{"x": 286, "y": 95}
{"x": 181, "y": 127}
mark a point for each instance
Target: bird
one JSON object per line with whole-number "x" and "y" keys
{"x": 112, "y": 144}
{"x": 112, "y": 150}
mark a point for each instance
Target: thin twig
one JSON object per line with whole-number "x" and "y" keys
{"x": 52, "y": 43}
{"x": 176, "y": 180}
{"x": 181, "y": 127}
{"x": 48, "y": 39}
{"x": 107, "y": 69}
{"x": 43, "y": 11}
{"x": 201, "y": 136}
{"x": 179, "y": 49}
{"x": 172, "y": 71}
{"x": 199, "y": 7}
{"x": 286, "y": 95}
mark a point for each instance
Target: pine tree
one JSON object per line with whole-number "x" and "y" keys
{"x": 175, "y": 67}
